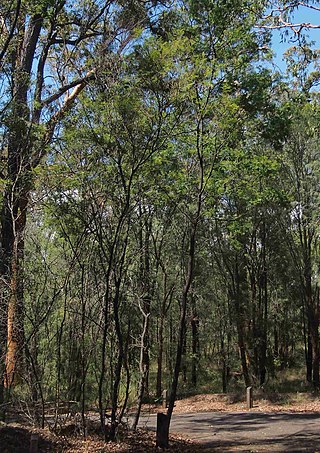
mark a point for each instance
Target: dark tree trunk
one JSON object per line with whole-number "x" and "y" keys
{"x": 195, "y": 343}
{"x": 160, "y": 357}
{"x": 182, "y": 322}
{"x": 189, "y": 276}
{"x": 184, "y": 357}
{"x": 308, "y": 354}
{"x": 314, "y": 330}
{"x": 145, "y": 285}
{"x": 240, "y": 319}
{"x": 225, "y": 369}
{"x": 264, "y": 310}
{"x": 119, "y": 362}
{"x": 312, "y": 312}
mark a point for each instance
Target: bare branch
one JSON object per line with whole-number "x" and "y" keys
{"x": 299, "y": 26}
{"x": 89, "y": 76}
{"x": 278, "y": 21}
{"x": 11, "y": 32}
{"x": 53, "y": 121}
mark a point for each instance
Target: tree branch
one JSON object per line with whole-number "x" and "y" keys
{"x": 89, "y": 76}
{"x": 10, "y": 34}
{"x": 53, "y": 121}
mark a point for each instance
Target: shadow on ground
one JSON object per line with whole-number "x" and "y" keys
{"x": 17, "y": 440}
{"x": 249, "y": 431}
{"x": 285, "y": 432}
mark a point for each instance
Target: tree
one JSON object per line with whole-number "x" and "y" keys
{"x": 46, "y": 62}
{"x": 303, "y": 173}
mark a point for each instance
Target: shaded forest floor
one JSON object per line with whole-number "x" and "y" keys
{"x": 15, "y": 437}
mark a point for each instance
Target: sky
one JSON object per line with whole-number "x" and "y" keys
{"x": 280, "y": 42}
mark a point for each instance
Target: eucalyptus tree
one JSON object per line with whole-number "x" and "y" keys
{"x": 49, "y": 52}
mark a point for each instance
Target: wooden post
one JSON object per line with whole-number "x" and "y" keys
{"x": 249, "y": 398}
{"x": 164, "y": 398}
{"x": 162, "y": 431}
{"x": 34, "y": 439}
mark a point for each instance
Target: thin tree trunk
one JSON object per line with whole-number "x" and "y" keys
{"x": 308, "y": 354}
{"x": 144, "y": 369}
{"x": 188, "y": 279}
{"x": 160, "y": 357}
{"x": 145, "y": 285}
{"x": 120, "y": 358}
{"x": 264, "y": 317}
{"x": 314, "y": 330}
{"x": 183, "y": 312}
{"x": 195, "y": 343}
{"x": 313, "y": 321}
{"x": 238, "y": 299}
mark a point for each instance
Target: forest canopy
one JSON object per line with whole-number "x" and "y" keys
{"x": 160, "y": 184}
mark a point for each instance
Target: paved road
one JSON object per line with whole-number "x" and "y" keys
{"x": 248, "y": 431}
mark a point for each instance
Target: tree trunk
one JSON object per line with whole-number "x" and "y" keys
{"x": 188, "y": 282}
{"x": 13, "y": 226}
{"x": 240, "y": 315}
{"x": 160, "y": 357}
{"x": 195, "y": 343}
{"x": 312, "y": 312}
{"x": 119, "y": 362}
{"x": 264, "y": 310}
{"x": 308, "y": 354}
{"x": 184, "y": 357}
{"x": 314, "y": 331}
{"x": 144, "y": 366}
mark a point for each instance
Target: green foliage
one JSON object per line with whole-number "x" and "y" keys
{"x": 185, "y": 126}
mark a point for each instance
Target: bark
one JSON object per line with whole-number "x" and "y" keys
{"x": 145, "y": 283}
{"x": 15, "y": 199}
{"x": 276, "y": 340}
{"x": 314, "y": 333}
{"x": 309, "y": 355}
{"x": 264, "y": 310}
{"x": 183, "y": 312}
{"x": 182, "y": 324}
{"x": 225, "y": 370}
{"x": 119, "y": 362}
{"x": 184, "y": 357}
{"x": 167, "y": 297}
{"x": 144, "y": 369}
{"x": 195, "y": 343}
{"x": 312, "y": 312}
{"x": 240, "y": 318}
{"x": 243, "y": 355}
{"x": 160, "y": 357}
{"x": 13, "y": 249}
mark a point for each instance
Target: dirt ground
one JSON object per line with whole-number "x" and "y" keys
{"x": 15, "y": 438}
{"x": 263, "y": 402}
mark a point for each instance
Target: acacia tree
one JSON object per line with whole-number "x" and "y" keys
{"x": 213, "y": 55}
